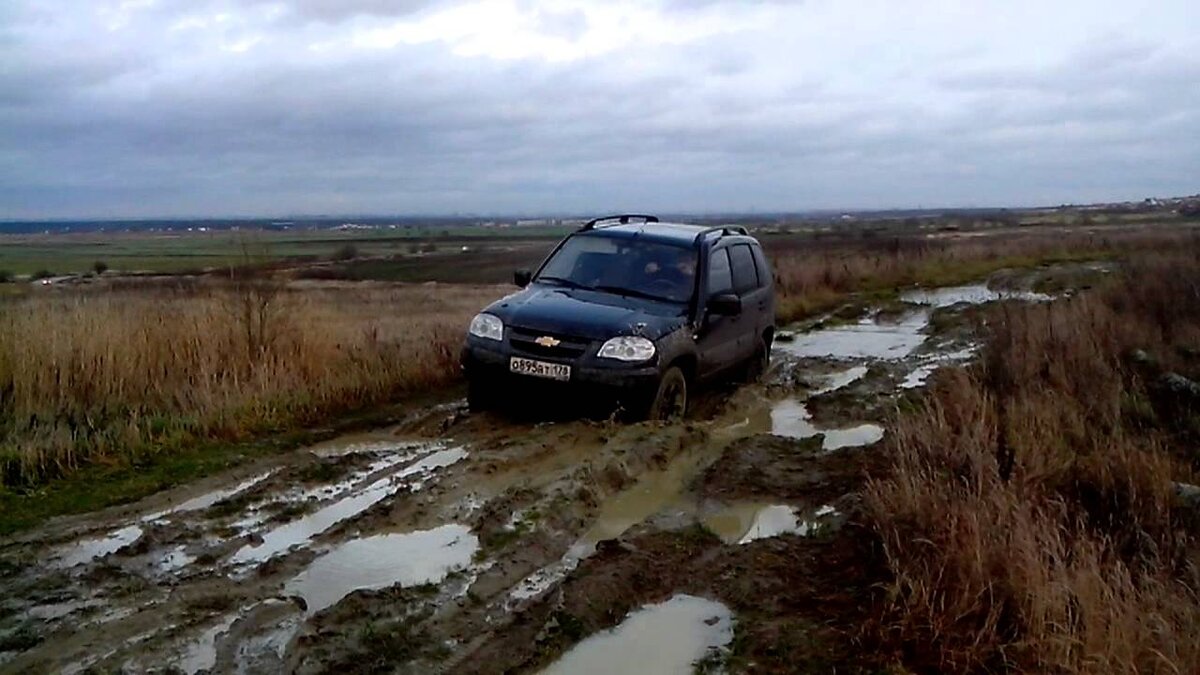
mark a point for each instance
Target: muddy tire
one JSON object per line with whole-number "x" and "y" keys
{"x": 758, "y": 364}
{"x": 480, "y": 396}
{"x": 671, "y": 398}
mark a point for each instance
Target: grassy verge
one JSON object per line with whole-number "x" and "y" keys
{"x": 100, "y": 486}
{"x": 1030, "y": 521}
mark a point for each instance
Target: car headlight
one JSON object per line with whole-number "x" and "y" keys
{"x": 627, "y": 348}
{"x": 487, "y": 327}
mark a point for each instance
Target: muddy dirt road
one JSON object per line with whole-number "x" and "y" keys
{"x": 469, "y": 543}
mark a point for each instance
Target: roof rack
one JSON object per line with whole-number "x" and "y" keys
{"x": 622, "y": 219}
{"x": 723, "y": 229}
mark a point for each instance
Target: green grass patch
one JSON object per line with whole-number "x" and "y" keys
{"x": 100, "y": 486}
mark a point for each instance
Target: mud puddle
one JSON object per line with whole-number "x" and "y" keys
{"x": 668, "y": 638}
{"x": 975, "y": 294}
{"x": 870, "y": 338}
{"x": 744, "y": 523}
{"x": 89, "y": 550}
{"x": 298, "y": 532}
{"x": 790, "y": 418}
{"x": 410, "y": 559}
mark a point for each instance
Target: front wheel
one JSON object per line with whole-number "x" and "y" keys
{"x": 671, "y": 398}
{"x": 480, "y": 396}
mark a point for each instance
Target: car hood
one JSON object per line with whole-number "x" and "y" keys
{"x": 588, "y": 314}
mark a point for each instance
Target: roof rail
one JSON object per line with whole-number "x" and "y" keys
{"x": 723, "y": 229}
{"x": 623, "y": 219}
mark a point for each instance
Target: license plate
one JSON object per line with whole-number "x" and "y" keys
{"x": 552, "y": 371}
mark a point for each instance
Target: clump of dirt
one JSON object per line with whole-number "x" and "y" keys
{"x": 372, "y": 631}
{"x": 785, "y": 469}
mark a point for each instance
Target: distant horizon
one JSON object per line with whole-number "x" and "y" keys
{"x": 533, "y": 215}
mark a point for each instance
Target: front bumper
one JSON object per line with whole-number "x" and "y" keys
{"x": 489, "y": 364}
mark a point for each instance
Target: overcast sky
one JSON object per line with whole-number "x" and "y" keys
{"x": 140, "y": 108}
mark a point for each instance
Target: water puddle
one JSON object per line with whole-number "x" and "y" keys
{"x": 206, "y": 500}
{"x": 666, "y": 638}
{"x": 840, "y": 379}
{"x": 790, "y": 418}
{"x": 871, "y": 338}
{"x": 59, "y": 610}
{"x": 975, "y": 294}
{"x": 851, "y": 437}
{"x": 744, "y": 523}
{"x": 202, "y": 654}
{"x": 300, "y": 531}
{"x": 87, "y": 550}
{"x": 365, "y": 443}
{"x": 255, "y": 517}
{"x": 382, "y": 561}
{"x": 174, "y": 560}
{"x": 921, "y": 373}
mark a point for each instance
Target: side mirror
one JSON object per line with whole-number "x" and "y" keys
{"x": 725, "y": 304}
{"x": 521, "y": 277}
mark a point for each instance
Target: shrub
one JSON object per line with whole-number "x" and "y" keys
{"x": 345, "y": 252}
{"x": 100, "y": 267}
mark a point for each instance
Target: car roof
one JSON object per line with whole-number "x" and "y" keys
{"x": 667, "y": 233}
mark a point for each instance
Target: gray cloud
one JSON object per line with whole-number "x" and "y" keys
{"x": 235, "y": 107}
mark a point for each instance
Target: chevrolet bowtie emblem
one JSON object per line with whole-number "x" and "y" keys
{"x": 547, "y": 341}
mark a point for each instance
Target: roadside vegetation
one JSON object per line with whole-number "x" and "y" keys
{"x": 1039, "y": 516}
{"x": 119, "y": 376}
{"x": 819, "y": 276}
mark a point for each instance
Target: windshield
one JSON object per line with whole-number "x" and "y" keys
{"x": 631, "y": 266}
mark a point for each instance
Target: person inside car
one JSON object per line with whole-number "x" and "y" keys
{"x": 669, "y": 274}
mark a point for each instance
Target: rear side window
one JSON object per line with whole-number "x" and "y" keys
{"x": 745, "y": 277}
{"x": 764, "y": 270}
{"x": 720, "y": 278}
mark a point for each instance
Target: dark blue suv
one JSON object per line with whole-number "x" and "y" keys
{"x": 627, "y": 310}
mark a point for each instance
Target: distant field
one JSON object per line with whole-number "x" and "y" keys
{"x": 421, "y": 252}
{"x": 194, "y": 251}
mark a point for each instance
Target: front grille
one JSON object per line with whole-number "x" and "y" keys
{"x": 523, "y": 340}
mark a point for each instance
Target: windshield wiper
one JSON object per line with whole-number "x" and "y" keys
{"x": 621, "y": 290}
{"x": 570, "y": 283}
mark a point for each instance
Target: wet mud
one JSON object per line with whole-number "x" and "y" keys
{"x": 453, "y": 542}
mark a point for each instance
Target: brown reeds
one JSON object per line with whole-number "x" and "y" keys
{"x": 96, "y": 376}
{"x": 1028, "y": 520}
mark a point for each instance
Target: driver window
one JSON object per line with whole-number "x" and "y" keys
{"x": 720, "y": 278}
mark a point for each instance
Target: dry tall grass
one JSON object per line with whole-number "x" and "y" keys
{"x": 1029, "y": 519}
{"x": 103, "y": 376}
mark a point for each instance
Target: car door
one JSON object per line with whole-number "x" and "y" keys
{"x": 717, "y": 338}
{"x": 755, "y": 295}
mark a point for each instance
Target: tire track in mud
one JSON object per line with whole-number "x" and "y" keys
{"x": 469, "y": 543}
